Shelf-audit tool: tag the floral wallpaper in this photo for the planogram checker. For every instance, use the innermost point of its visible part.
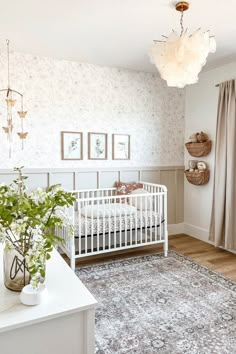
(69, 96)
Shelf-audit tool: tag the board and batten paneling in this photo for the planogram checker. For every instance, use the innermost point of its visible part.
(70, 179)
(168, 179)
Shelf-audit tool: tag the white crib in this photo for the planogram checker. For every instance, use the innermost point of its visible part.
(105, 222)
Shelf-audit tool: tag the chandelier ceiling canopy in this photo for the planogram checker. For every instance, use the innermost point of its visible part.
(10, 103)
(179, 58)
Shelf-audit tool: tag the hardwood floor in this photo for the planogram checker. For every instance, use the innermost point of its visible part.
(219, 260)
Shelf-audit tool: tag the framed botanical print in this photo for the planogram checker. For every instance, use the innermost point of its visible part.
(71, 145)
(97, 146)
(120, 147)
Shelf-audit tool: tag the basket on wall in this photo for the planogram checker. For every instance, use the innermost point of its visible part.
(199, 149)
(198, 178)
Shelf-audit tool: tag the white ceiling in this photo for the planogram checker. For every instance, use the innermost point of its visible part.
(111, 32)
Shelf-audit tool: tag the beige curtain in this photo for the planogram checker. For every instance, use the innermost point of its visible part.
(223, 218)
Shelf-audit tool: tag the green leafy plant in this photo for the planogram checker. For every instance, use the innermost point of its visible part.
(28, 221)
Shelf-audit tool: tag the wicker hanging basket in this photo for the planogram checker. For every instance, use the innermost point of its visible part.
(199, 149)
(198, 178)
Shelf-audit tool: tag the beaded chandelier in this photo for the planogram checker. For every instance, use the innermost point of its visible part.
(10, 103)
(179, 58)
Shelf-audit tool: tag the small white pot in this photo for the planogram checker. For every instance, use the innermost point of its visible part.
(30, 296)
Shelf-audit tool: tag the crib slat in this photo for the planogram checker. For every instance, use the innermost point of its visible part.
(160, 216)
(130, 225)
(146, 220)
(114, 233)
(141, 220)
(92, 224)
(103, 223)
(120, 222)
(79, 228)
(150, 215)
(98, 228)
(109, 226)
(136, 220)
(86, 228)
(125, 223)
(155, 211)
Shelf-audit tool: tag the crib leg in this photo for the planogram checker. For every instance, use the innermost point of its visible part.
(166, 244)
(165, 250)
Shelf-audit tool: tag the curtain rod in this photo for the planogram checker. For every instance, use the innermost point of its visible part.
(217, 85)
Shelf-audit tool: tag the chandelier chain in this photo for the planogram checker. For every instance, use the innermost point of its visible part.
(181, 22)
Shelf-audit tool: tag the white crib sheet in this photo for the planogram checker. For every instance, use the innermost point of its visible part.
(103, 225)
(108, 210)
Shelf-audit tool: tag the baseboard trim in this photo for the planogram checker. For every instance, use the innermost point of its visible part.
(175, 229)
(201, 234)
(197, 232)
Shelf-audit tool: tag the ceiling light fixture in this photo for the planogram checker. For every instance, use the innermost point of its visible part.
(179, 58)
(10, 102)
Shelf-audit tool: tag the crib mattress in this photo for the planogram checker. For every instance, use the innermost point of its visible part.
(115, 224)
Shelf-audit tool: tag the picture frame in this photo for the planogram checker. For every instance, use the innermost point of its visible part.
(71, 145)
(97, 146)
(120, 147)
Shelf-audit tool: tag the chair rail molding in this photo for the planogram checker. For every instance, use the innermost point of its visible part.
(86, 178)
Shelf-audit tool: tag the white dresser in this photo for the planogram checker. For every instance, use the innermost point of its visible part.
(63, 325)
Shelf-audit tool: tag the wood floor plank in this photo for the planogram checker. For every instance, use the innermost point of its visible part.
(217, 259)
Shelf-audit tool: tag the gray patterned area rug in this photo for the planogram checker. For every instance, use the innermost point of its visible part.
(154, 304)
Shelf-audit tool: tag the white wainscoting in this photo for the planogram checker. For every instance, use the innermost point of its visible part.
(171, 176)
(197, 232)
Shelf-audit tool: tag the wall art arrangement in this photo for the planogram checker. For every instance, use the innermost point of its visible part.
(120, 147)
(97, 146)
(72, 146)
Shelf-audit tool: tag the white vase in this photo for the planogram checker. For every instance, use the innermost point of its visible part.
(30, 296)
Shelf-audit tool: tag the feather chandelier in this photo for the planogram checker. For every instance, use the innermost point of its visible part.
(179, 58)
